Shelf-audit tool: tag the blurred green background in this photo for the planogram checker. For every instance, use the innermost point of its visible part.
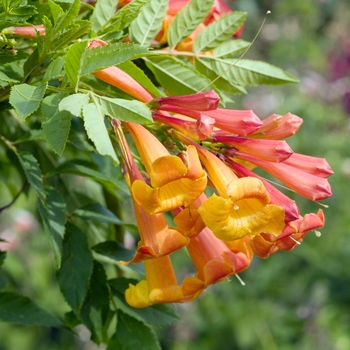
(298, 299)
(292, 300)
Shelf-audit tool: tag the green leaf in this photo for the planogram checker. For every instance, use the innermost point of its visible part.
(138, 74)
(103, 11)
(187, 20)
(205, 67)
(231, 48)
(125, 110)
(53, 214)
(133, 334)
(113, 54)
(74, 61)
(76, 269)
(158, 315)
(33, 173)
(74, 103)
(74, 167)
(94, 311)
(95, 127)
(55, 123)
(149, 22)
(68, 17)
(19, 309)
(176, 77)
(26, 99)
(249, 72)
(71, 33)
(124, 16)
(3, 281)
(98, 212)
(54, 70)
(4, 77)
(219, 31)
(116, 251)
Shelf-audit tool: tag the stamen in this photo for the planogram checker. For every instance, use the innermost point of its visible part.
(317, 233)
(293, 239)
(240, 280)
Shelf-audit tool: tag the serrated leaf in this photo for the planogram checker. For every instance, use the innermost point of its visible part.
(124, 16)
(68, 17)
(73, 62)
(219, 31)
(53, 214)
(231, 48)
(56, 10)
(85, 170)
(26, 99)
(74, 103)
(116, 251)
(125, 110)
(19, 309)
(54, 70)
(249, 72)
(133, 334)
(149, 22)
(205, 67)
(187, 20)
(94, 311)
(176, 77)
(72, 32)
(98, 212)
(103, 11)
(76, 269)
(55, 123)
(158, 315)
(4, 77)
(33, 173)
(111, 55)
(96, 130)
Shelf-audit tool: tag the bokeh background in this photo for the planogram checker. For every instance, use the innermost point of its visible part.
(292, 300)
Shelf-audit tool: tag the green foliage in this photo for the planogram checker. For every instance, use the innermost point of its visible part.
(187, 20)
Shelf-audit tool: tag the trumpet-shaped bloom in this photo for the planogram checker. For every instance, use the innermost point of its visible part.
(157, 239)
(227, 120)
(243, 205)
(199, 130)
(174, 183)
(304, 183)
(159, 287)
(270, 150)
(276, 127)
(118, 78)
(201, 101)
(293, 234)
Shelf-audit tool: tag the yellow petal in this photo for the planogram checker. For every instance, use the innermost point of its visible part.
(233, 220)
(170, 294)
(189, 222)
(174, 194)
(138, 296)
(167, 169)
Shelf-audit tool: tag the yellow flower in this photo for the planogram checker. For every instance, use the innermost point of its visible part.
(242, 206)
(159, 287)
(174, 181)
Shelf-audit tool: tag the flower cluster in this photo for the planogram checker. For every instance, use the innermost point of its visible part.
(245, 215)
(224, 213)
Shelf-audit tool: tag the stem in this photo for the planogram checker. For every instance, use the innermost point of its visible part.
(23, 188)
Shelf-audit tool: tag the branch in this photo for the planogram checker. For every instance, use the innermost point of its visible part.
(24, 186)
